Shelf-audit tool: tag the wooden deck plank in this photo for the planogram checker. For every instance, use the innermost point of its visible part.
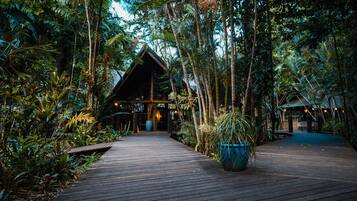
(329, 193)
(342, 196)
(200, 187)
(91, 148)
(155, 167)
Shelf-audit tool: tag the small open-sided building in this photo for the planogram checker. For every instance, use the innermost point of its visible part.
(309, 115)
(140, 98)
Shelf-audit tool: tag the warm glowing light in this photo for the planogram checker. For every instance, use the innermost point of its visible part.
(325, 111)
(116, 104)
(158, 115)
(306, 110)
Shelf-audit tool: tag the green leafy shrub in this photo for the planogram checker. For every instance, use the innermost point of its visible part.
(86, 161)
(83, 135)
(187, 134)
(208, 139)
(234, 128)
(40, 165)
(38, 107)
(86, 131)
(333, 126)
(36, 164)
(108, 134)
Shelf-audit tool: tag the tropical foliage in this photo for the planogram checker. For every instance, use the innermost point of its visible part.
(251, 56)
(233, 128)
(44, 86)
(230, 65)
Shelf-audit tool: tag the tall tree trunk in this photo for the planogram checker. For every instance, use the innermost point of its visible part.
(200, 116)
(90, 80)
(73, 58)
(205, 107)
(198, 29)
(212, 111)
(185, 72)
(173, 88)
(342, 86)
(96, 44)
(245, 100)
(213, 57)
(215, 70)
(172, 84)
(233, 56)
(199, 90)
(271, 66)
(207, 78)
(225, 35)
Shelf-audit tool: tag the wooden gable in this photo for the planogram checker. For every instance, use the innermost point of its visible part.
(137, 82)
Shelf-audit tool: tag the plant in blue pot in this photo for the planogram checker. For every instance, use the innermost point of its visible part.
(235, 141)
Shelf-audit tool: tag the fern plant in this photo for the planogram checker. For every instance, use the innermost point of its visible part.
(85, 118)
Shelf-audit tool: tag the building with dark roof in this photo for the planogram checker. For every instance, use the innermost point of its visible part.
(141, 96)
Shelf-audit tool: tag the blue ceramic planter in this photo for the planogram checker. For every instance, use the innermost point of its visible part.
(234, 157)
(148, 125)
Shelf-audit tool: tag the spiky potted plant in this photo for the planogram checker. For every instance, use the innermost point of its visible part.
(235, 141)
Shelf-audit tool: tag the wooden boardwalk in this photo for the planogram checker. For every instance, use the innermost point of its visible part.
(101, 147)
(155, 167)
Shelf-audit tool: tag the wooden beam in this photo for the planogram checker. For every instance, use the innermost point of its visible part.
(150, 104)
(157, 61)
(152, 86)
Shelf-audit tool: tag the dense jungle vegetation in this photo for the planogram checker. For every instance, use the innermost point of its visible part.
(59, 60)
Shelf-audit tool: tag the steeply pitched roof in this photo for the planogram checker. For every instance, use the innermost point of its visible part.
(144, 50)
(326, 102)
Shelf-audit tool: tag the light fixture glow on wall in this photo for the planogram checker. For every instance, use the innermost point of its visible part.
(158, 115)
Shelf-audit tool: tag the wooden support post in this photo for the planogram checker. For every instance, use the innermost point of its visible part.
(135, 122)
(154, 121)
(151, 114)
(319, 123)
(290, 124)
(152, 86)
(309, 123)
(169, 122)
(167, 114)
(149, 110)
